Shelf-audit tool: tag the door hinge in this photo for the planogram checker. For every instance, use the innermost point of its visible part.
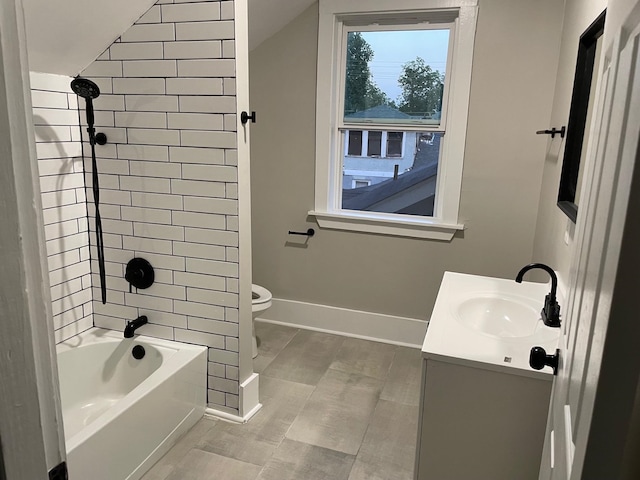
(59, 472)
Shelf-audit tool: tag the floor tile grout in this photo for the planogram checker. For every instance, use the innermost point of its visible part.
(361, 378)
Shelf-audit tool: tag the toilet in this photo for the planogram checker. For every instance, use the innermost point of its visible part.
(260, 301)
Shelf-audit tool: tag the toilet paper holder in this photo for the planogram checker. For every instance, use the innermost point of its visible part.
(309, 233)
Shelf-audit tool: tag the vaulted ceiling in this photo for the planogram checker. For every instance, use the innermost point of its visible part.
(267, 17)
(65, 36)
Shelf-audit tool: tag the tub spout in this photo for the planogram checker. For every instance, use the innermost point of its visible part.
(134, 325)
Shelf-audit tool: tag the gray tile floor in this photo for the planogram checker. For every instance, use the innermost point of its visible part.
(334, 408)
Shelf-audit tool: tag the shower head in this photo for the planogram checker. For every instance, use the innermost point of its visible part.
(85, 88)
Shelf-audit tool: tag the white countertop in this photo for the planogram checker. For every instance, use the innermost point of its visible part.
(451, 341)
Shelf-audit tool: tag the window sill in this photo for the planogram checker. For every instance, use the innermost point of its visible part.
(386, 225)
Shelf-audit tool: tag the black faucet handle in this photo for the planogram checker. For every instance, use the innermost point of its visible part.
(551, 311)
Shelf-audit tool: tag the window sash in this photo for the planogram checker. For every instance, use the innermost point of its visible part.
(400, 124)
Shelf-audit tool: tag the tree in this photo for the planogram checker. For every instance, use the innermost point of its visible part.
(361, 92)
(421, 89)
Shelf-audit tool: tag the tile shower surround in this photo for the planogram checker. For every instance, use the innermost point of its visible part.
(59, 153)
(168, 181)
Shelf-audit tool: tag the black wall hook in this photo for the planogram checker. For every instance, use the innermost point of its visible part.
(245, 117)
(101, 138)
(553, 132)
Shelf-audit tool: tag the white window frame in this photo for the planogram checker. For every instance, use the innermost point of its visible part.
(335, 17)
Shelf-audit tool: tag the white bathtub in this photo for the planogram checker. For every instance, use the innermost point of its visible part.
(121, 414)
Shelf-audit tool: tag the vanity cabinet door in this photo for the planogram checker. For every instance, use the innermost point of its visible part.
(477, 424)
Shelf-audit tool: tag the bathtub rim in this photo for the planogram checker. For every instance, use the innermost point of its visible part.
(97, 334)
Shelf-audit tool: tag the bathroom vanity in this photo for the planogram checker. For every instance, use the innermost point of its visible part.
(483, 409)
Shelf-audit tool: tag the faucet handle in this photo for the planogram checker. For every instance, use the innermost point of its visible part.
(551, 311)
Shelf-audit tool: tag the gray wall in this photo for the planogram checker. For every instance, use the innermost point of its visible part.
(550, 246)
(511, 96)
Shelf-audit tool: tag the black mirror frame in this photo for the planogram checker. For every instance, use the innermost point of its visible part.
(578, 117)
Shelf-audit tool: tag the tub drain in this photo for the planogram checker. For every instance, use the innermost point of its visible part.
(138, 352)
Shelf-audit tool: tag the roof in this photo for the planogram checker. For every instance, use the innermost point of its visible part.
(381, 111)
(364, 198)
(425, 166)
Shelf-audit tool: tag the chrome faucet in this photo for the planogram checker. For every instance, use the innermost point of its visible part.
(551, 310)
(134, 325)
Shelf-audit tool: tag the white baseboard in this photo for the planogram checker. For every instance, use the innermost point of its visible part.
(249, 402)
(229, 417)
(391, 329)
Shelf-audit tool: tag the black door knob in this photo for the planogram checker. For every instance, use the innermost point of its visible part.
(538, 359)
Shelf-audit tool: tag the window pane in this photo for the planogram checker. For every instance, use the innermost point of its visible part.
(411, 191)
(374, 145)
(395, 76)
(355, 142)
(394, 144)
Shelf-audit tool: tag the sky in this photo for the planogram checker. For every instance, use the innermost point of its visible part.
(395, 48)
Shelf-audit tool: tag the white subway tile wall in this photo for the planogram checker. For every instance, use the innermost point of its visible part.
(169, 180)
(59, 152)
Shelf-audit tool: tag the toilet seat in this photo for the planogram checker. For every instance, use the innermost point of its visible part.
(260, 301)
(264, 295)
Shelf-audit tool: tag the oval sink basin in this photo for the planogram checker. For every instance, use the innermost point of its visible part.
(498, 316)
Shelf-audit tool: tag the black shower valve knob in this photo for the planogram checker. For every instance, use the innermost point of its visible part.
(139, 273)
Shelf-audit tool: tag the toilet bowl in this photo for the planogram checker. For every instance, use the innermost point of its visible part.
(260, 301)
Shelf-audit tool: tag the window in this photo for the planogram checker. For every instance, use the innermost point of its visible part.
(405, 77)
(361, 183)
(374, 145)
(394, 144)
(355, 143)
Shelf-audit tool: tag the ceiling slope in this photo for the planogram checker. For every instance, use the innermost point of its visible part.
(65, 36)
(266, 17)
